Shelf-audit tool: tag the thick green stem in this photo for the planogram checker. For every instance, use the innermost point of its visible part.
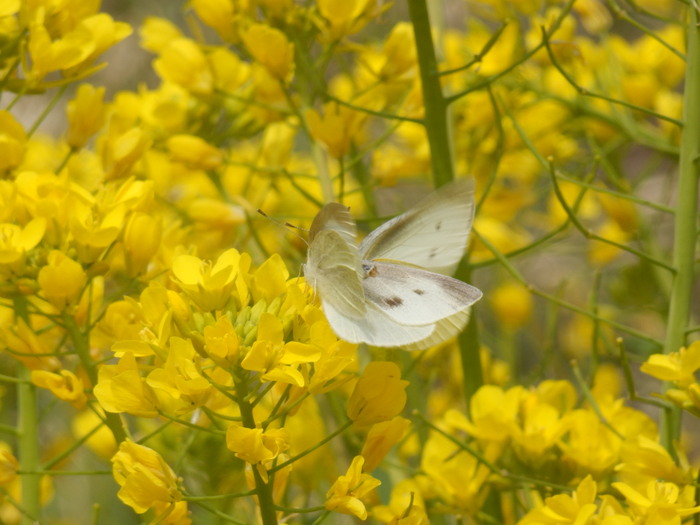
(436, 106)
(438, 130)
(686, 212)
(29, 448)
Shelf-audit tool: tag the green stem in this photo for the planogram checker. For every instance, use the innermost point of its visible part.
(28, 433)
(29, 447)
(262, 490)
(82, 348)
(686, 215)
(435, 104)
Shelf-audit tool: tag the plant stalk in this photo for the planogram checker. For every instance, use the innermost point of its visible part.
(29, 448)
(436, 106)
(686, 215)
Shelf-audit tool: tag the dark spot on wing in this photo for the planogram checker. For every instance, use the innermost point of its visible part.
(433, 253)
(438, 226)
(419, 292)
(393, 301)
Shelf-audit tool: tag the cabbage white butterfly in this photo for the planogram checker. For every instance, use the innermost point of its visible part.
(386, 291)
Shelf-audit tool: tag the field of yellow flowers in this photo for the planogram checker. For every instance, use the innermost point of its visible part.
(162, 359)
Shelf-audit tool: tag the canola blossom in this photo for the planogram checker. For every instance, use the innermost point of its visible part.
(162, 358)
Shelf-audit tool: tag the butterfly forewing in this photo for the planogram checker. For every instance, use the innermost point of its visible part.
(334, 216)
(334, 270)
(433, 235)
(412, 296)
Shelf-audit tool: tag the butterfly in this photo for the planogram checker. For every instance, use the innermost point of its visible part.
(390, 289)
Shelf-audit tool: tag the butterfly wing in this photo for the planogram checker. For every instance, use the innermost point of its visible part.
(413, 296)
(375, 328)
(334, 216)
(445, 329)
(432, 235)
(333, 264)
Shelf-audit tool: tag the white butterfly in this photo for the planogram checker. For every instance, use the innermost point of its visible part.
(386, 292)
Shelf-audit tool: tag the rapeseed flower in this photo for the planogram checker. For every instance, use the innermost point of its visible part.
(345, 495)
(271, 49)
(65, 385)
(379, 394)
(146, 480)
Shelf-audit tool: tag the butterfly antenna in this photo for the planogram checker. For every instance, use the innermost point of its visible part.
(286, 225)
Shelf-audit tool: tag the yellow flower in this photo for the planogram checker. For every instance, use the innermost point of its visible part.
(563, 509)
(142, 238)
(101, 32)
(512, 304)
(602, 253)
(379, 395)
(52, 55)
(270, 48)
(8, 464)
(28, 344)
(15, 242)
(9, 7)
(380, 438)
(594, 15)
(221, 342)
(455, 476)
(275, 359)
(338, 127)
(121, 152)
(94, 230)
(86, 115)
(399, 53)
(64, 385)
(219, 15)
(177, 384)
(99, 438)
(12, 141)
(156, 33)
(406, 506)
(182, 62)
(270, 279)
(230, 72)
(145, 478)
(210, 285)
(253, 445)
(644, 460)
(120, 388)
(194, 152)
(62, 280)
(336, 356)
(346, 493)
(664, 502)
(678, 367)
(344, 18)
(76, 49)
